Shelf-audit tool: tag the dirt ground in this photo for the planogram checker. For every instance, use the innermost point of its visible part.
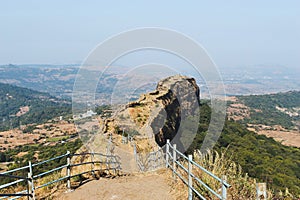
(133, 187)
(289, 138)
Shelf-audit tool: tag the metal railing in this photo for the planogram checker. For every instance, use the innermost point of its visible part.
(172, 162)
(110, 162)
(150, 161)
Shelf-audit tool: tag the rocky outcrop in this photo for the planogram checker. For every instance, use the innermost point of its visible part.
(169, 112)
(175, 99)
(179, 96)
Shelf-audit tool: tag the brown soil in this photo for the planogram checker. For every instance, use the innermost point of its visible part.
(139, 187)
(22, 111)
(238, 111)
(288, 138)
(15, 137)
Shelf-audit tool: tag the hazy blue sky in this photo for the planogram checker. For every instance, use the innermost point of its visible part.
(235, 33)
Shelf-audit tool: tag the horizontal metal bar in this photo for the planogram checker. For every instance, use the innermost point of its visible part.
(51, 182)
(181, 177)
(115, 162)
(106, 155)
(14, 195)
(197, 193)
(185, 181)
(86, 163)
(17, 197)
(78, 164)
(80, 174)
(182, 167)
(104, 162)
(88, 153)
(211, 174)
(182, 155)
(80, 154)
(11, 183)
(50, 171)
(51, 159)
(13, 176)
(14, 170)
(206, 186)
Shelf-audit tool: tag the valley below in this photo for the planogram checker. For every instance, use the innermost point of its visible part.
(38, 126)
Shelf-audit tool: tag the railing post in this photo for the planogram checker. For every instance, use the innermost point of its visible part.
(155, 165)
(224, 188)
(30, 183)
(109, 153)
(134, 152)
(115, 165)
(123, 138)
(93, 164)
(174, 160)
(261, 191)
(106, 157)
(167, 153)
(68, 170)
(190, 181)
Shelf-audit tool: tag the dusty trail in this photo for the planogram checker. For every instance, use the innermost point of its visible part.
(133, 187)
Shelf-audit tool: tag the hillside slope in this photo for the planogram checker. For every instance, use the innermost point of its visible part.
(21, 106)
(272, 109)
(259, 156)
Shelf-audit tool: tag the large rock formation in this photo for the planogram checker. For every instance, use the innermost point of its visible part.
(180, 98)
(165, 112)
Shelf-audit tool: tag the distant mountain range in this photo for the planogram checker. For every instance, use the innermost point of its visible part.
(58, 80)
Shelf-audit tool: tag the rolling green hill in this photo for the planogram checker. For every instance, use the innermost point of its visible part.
(42, 106)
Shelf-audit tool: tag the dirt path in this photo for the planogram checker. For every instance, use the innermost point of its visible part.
(133, 187)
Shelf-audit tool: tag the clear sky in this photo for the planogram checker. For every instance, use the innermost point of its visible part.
(235, 33)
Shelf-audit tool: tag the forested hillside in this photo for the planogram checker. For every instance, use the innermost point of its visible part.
(21, 106)
(261, 157)
(273, 109)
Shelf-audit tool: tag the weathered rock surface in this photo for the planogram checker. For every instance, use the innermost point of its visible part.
(159, 114)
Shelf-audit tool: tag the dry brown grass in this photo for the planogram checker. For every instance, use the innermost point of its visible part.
(45, 192)
(242, 186)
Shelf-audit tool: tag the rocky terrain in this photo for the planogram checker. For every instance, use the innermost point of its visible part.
(158, 115)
